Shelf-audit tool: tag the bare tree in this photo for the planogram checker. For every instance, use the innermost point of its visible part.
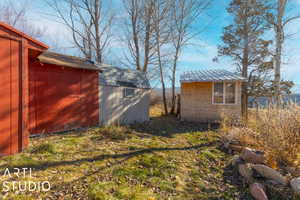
(161, 19)
(90, 22)
(140, 33)
(183, 15)
(16, 16)
(157, 31)
(148, 35)
(279, 21)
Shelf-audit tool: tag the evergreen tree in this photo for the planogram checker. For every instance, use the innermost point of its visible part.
(243, 42)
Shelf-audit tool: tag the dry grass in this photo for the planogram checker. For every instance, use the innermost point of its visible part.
(155, 98)
(273, 130)
(163, 159)
(156, 110)
(160, 159)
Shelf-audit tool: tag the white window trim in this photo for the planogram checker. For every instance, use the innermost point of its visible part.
(128, 96)
(224, 93)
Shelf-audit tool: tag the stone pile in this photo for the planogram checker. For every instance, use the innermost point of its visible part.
(251, 164)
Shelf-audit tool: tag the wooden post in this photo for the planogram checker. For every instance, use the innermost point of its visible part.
(24, 95)
(178, 106)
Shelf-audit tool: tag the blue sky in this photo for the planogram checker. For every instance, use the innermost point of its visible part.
(198, 55)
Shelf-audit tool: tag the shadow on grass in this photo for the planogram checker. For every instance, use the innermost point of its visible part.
(45, 165)
(119, 159)
(167, 126)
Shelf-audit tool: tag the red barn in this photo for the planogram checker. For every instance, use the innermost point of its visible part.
(42, 92)
(16, 49)
(63, 93)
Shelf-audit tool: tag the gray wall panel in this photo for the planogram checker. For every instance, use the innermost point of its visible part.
(115, 109)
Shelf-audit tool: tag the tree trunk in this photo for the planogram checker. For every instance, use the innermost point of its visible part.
(134, 17)
(147, 37)
(158, 45)
(164, 96)
(178, 106)
(245, 63)
(162, 78)
(173, 101)
(244, 104)
(279, 41)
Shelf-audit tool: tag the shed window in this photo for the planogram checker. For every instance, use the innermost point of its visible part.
(230, 93)
(128, 92)
(218, 93)
(224, 93)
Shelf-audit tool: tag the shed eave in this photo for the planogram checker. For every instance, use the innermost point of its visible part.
(68, 65)
(40, 44)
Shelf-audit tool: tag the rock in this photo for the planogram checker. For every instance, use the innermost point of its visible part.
(245, 170)
(272, 182)
(226, 144)
(295, 184)
(293, 171)
(235, 147)
(252, 156)
(257, 190)
(235, 160)
(270, 173)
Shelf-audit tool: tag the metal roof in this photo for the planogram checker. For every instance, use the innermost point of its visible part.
(210, 76)
(114, 76)
(67, 61)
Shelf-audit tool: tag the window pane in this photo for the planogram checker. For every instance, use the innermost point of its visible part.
(128, 92)
(230, 93)
(218, 92)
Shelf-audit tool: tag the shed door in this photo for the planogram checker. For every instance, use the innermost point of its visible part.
(9, 95)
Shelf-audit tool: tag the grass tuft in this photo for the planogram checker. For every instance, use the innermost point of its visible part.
(111, 191)
(43, 148)
(145, 167)
(112, 133)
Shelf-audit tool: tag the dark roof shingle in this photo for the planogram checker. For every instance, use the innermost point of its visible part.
(114, 76)
(67, 61)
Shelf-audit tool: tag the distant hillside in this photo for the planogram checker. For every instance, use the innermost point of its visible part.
(168, 90)
(265, 100)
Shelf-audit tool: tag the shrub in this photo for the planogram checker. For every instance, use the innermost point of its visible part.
(273, 130)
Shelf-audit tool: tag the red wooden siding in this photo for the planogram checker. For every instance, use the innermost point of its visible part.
(40, 98)
(61, 98)
(15, 50)
(9, 95)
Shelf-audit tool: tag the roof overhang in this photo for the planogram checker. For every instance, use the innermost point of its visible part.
(66, 61)
(33, 43)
